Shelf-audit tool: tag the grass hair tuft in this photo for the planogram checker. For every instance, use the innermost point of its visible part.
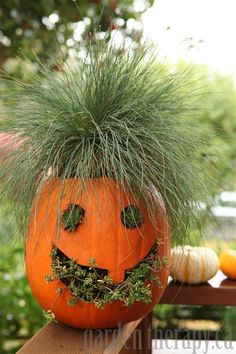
(112, 113)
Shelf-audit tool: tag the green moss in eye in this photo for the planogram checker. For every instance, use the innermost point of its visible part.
(131, 217)
(72, 217)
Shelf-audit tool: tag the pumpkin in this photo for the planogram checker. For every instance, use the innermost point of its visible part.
(193, 265)
(228, 263)
(104, 233)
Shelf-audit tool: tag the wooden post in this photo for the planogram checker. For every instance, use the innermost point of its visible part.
(140, 342)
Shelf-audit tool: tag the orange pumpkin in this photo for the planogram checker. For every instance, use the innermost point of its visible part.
(101, 236)
(228, 263)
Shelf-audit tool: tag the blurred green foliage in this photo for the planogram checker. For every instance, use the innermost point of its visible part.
(215, 107)
(31, 26)
(20, 315)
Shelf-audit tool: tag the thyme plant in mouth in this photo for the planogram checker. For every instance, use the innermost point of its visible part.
(92, 284)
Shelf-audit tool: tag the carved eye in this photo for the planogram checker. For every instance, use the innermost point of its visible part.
(131, 217)
(72, 217)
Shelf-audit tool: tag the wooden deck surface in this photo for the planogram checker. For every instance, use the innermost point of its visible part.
(57, 338)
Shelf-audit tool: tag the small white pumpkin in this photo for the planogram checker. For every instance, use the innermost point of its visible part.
(193, 265)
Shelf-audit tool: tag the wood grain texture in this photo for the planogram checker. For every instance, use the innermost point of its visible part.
(56, 338)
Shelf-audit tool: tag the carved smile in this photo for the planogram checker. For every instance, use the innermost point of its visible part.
(67, 262)
(94, 285)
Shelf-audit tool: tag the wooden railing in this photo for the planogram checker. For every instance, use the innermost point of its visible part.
(219, 291)
(134, 337)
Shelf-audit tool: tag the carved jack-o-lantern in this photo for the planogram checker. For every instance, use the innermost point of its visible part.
(64, 237)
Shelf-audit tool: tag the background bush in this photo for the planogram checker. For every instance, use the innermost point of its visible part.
(20, 315)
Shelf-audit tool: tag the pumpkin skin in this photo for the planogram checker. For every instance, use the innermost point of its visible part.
(228, 263)
(102, 236)
(193, 265)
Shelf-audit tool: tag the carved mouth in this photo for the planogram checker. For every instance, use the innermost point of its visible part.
(67, 263)
(94, 285)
